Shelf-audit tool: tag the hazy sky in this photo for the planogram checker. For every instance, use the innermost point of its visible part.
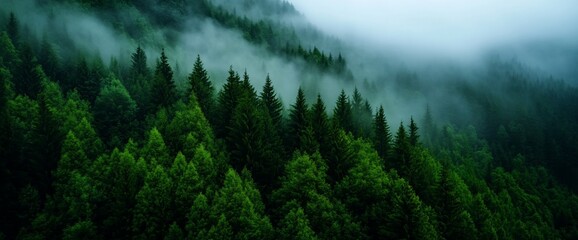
(451, 27)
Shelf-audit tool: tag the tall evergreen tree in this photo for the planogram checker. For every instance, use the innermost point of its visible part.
(201, 86)
(320, 125)
(381, 135)
(164, 91)
(342, 113)
(87, 82)
(401, 151)
(228, 99)
(49, 60)
(272, 103)
(409, 218)
(139, 63)
(361, 115)
(12, 28)
(27, 76)
(413, 134)
(298, 120)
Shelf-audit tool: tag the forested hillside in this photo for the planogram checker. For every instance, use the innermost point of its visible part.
(97, 144)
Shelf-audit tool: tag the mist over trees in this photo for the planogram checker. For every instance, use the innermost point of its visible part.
(279, 137)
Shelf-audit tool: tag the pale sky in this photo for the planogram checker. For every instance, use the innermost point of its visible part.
(455, 27)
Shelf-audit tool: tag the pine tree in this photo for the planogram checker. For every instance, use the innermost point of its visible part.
(86, 82)
(114, 112)
(381, 136)
(139, 63)
(27, 77)
(12, 28)
(152, 212)
(164, 91)
(49, 60)
(198, 218)
(320, 125)
(228, 99)
(298, 120)
(342, 113)
(409, 218)
(272, 103)
(201, 86)
(401, 151)
(413, 135)
(296, 226)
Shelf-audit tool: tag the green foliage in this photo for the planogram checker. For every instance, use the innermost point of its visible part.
(8, 53)
(272, 104)
(202, 88)
(235, 206)
(408, 217)
(342, 115)
(296, 226)
(81, 230)
(228, 99)
(155, 151)
(497, 179)
(381, 135)
(114, 113)
(164, 91)
(152, 212)
(298, 120)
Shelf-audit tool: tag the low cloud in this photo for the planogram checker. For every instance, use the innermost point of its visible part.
(448, 28)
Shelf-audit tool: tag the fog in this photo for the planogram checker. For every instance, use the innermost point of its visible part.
(464, 30)
(382, 41)
(219, 48)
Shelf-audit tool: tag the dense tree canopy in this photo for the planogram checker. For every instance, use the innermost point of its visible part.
(98, 149)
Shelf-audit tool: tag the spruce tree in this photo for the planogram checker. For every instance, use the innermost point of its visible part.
(12, 28)
(228, 99)
(201, 86)
(413, 134)
(164, 91)
(271, 102)
(298, 120)
(381, 135)
(342, 113)
(320, 125)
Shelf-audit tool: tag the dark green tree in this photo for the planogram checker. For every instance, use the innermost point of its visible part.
(28, 75)
(8, 54)
(49, 60)
(409, 218)
(152, 213)
(298, 120)
(114, 112)
(139, 63)
(320, 125)
(201, 86)
(381, 135)
(164, 91)
(228, 99)
(413, 134)
(295, 225)
(342, 113)
(361, 115)
(12, 28)
(272, 103)
(401, 150)
(86, 81)
(198, 218)
(453, 219)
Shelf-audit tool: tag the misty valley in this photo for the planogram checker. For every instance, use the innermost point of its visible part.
(273, 119)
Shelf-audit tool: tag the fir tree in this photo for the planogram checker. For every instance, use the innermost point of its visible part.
(201, 87)
(381, 136)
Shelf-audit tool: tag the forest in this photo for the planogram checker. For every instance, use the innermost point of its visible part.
(139, 146)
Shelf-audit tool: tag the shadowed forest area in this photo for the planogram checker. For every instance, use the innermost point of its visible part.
(141, 146)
